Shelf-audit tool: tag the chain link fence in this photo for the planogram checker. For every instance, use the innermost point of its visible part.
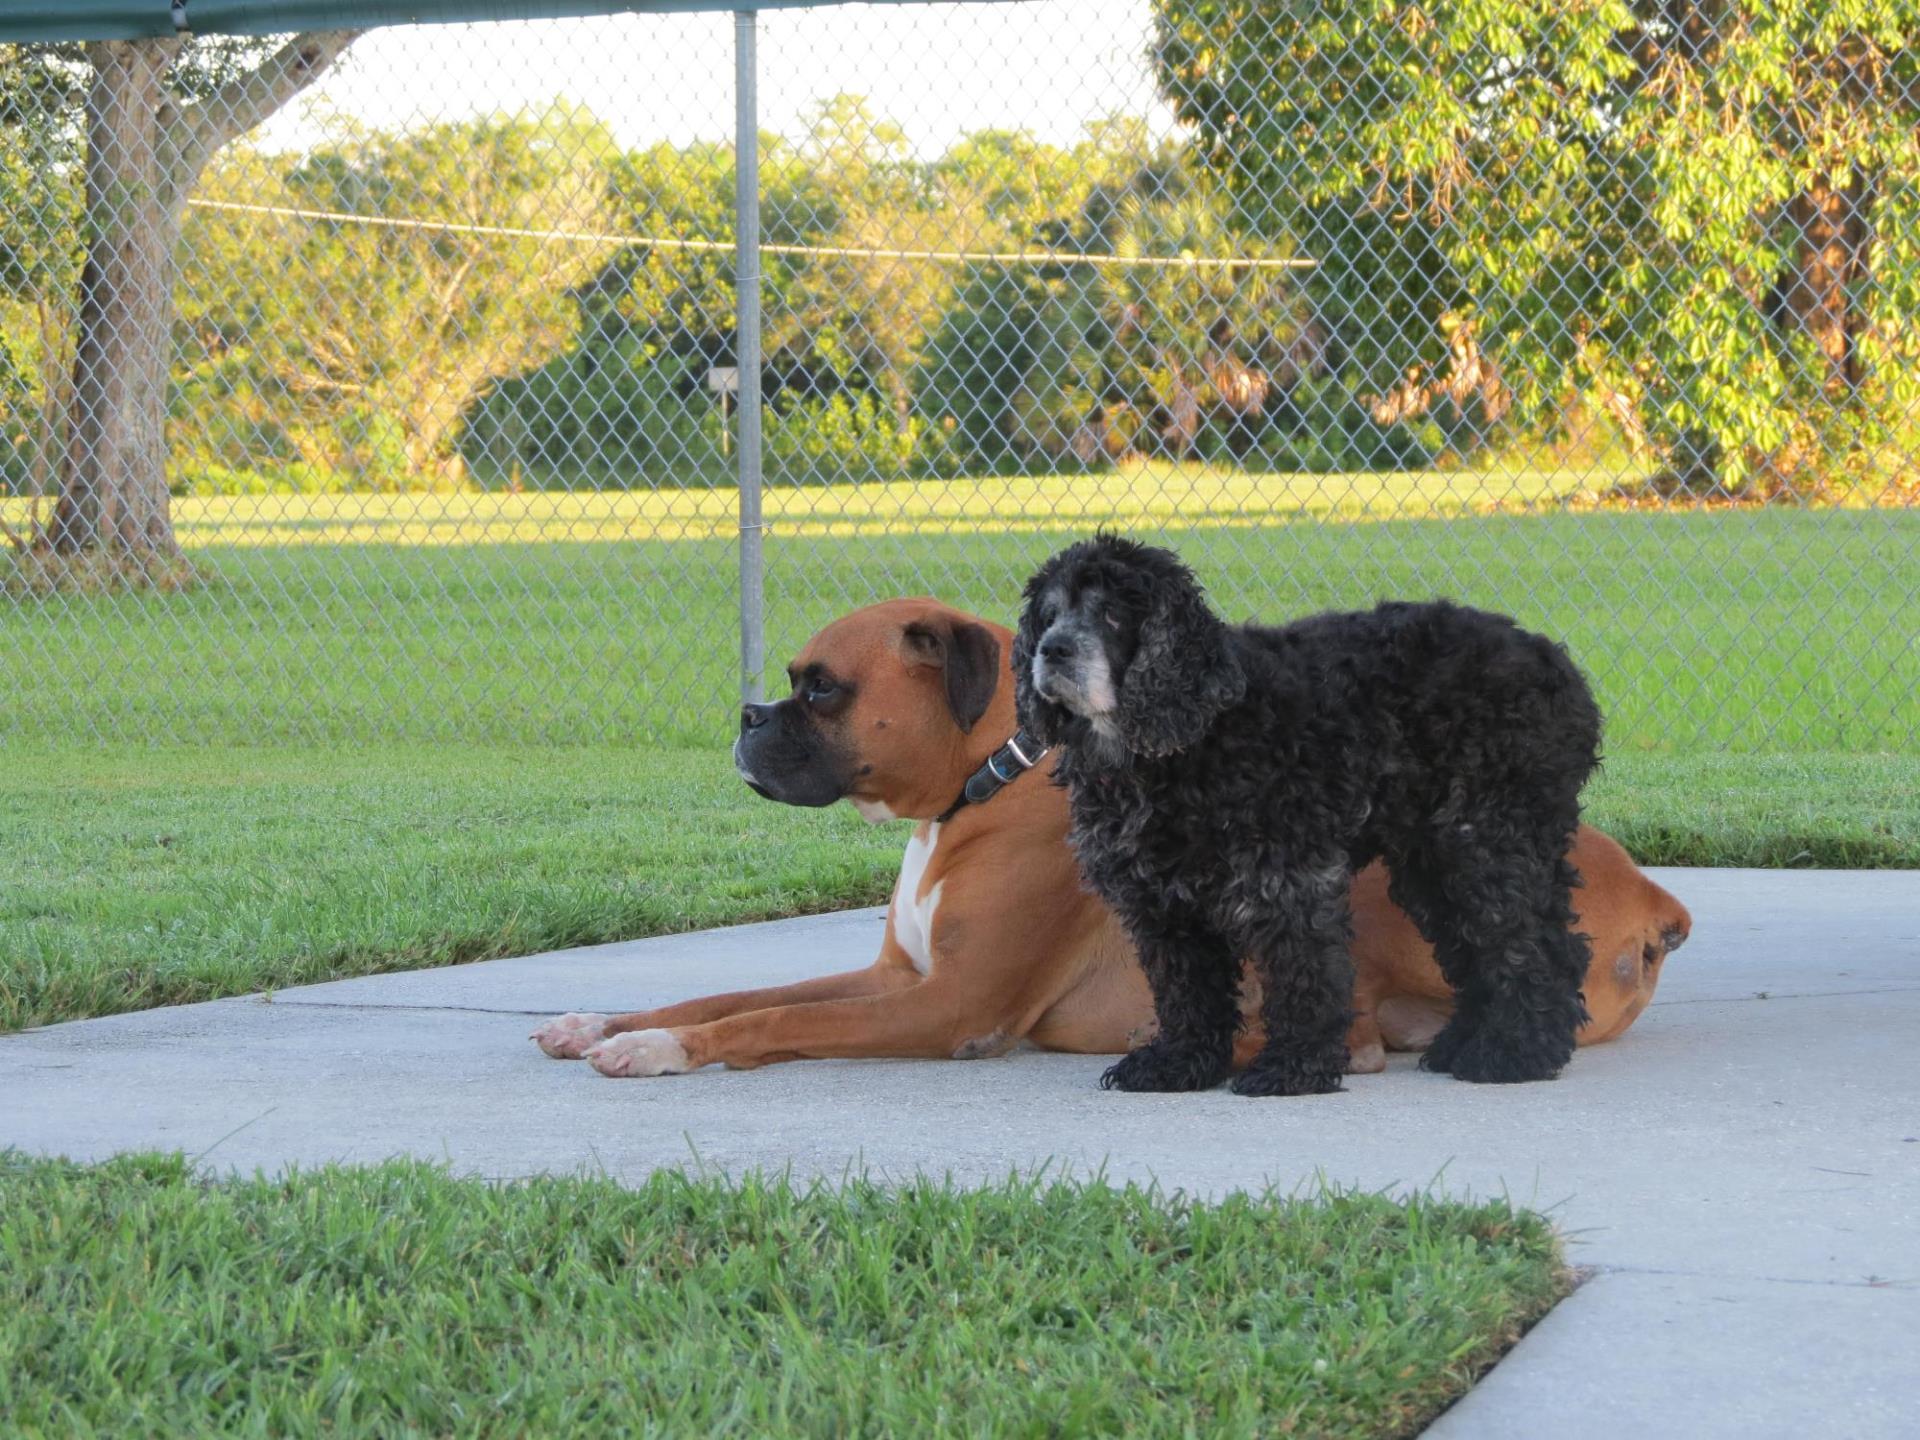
(391, 386)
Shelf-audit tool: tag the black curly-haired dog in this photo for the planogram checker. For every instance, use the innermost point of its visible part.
(1227, 781)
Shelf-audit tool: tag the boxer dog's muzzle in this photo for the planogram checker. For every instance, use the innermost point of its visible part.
(785, 754)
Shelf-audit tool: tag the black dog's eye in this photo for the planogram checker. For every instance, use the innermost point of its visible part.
(1111, 619)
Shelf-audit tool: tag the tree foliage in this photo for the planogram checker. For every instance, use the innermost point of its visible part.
(126, 127)
(1090, 362)
(1700, 214)
(392, 332)
(40, 204)
(411, 344)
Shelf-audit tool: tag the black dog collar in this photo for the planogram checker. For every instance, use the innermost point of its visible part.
(1003, 767)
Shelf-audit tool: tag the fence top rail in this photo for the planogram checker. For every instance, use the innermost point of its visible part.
(675, 242)
(36, 20)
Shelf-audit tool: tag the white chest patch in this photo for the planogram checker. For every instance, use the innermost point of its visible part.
(913, 911)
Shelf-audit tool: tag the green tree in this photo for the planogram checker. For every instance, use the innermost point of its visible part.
(664, 291)
(406, 326)
(1089, 361)
(1019, 361)
(1019, 182)
(1188, 334)
(627, 400)
(40, 251)
(144, 118)
(232, 308)
(872, 311)
(1699, 213)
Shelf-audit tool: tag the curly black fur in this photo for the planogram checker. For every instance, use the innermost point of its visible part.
(1227, 781)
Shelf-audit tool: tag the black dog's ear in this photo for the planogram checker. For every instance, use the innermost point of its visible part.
(968, 654)
(1183, 671)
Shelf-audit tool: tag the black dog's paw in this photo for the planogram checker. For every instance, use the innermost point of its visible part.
(1155, 1067)
(1441, 1055)
(1489, 1058)
(1290, 1075)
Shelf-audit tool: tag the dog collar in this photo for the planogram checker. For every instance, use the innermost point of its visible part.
(1003, 767)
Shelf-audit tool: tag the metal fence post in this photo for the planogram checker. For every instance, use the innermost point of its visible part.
(746, 287)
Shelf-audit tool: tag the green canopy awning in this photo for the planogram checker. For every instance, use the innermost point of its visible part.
(84, 19)
(28, 20)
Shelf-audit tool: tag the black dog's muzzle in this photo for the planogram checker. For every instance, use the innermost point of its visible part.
(1057, 662)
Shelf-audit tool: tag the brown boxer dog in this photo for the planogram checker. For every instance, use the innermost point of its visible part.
(990, 939)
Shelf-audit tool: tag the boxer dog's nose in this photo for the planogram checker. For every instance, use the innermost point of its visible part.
(752, 717)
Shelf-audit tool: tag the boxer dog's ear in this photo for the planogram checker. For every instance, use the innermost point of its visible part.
(967, 653)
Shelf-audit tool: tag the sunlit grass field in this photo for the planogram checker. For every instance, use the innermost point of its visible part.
(1131, 496)
(576, 618)
(416, 730)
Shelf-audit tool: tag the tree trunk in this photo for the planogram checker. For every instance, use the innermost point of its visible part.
(901, 393)
(432, 427)
(55, 374)
(432, 412)
(144, 152)
(1813, 296)
(113, 484)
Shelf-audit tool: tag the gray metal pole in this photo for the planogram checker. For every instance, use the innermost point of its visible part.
(746, 294)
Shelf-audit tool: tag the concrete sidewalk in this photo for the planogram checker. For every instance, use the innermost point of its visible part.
(1742, 1170)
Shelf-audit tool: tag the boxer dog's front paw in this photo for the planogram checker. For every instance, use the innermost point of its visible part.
(1368, 1059)
(571, 1036)
(635, 1054)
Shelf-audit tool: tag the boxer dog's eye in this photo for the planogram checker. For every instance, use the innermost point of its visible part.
(820, 688)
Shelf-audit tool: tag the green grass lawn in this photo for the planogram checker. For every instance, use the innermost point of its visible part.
(137, 1299)
(142, 877)
(1767, 631)
(434, 735)
(415, 730)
